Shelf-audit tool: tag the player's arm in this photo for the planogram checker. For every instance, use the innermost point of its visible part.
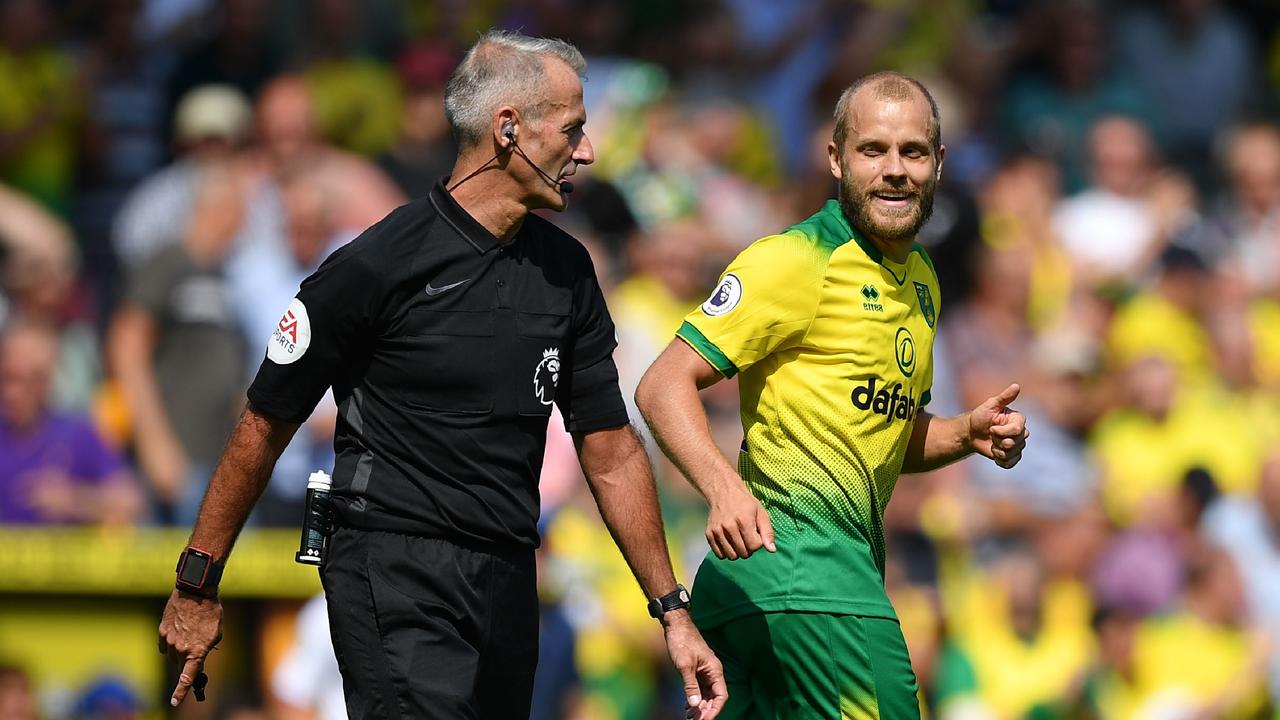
(667, 396)
(621, 479)
(992, 429)
(192, 625)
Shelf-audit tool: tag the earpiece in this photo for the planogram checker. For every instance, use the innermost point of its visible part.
(509, 132)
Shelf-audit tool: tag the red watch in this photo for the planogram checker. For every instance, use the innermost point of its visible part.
(198, 574)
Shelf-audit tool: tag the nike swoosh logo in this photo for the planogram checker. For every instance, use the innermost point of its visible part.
(433, 291)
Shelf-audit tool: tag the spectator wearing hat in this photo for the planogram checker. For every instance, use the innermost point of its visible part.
(210, 122)
(177, 352)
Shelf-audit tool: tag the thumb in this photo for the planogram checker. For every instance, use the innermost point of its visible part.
(692, 695)
(765, 525)
(1007, 395)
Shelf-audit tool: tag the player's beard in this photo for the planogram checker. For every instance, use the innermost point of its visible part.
(856, 205)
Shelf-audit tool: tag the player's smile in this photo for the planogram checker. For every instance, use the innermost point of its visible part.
(895, 202)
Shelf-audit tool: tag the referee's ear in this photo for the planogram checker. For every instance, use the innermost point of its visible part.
(506, 127)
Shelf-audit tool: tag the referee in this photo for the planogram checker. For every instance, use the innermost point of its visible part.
(447, 332)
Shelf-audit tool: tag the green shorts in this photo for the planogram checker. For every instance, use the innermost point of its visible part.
(815, 666)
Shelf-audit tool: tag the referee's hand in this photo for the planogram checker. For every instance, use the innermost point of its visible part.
(189, 629)
(738, 525)
(704, 686)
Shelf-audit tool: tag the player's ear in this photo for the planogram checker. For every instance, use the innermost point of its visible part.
(942, 155)
(833, 157)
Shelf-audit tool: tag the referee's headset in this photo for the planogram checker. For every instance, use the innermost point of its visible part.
(509, 132)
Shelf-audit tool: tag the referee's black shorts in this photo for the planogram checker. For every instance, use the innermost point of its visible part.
(424, 628)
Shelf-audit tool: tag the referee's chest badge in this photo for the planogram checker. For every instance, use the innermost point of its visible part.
(546, 376)
(725, 298)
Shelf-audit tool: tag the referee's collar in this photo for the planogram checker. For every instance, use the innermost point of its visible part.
(460, 220)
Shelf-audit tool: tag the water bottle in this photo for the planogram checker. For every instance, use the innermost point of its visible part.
(317, 519)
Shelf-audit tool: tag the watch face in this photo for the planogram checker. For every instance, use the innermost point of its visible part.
(194, 568)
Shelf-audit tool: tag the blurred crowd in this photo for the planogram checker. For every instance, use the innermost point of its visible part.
(1107, 234)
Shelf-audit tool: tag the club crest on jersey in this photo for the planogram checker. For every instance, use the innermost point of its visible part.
(926, 302)
(292, 335)
(725, 298)
(546, 376)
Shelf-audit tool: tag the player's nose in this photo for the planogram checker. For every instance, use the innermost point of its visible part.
(893, 167)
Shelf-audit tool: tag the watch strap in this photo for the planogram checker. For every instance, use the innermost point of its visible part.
(675, 600)
(197, 573)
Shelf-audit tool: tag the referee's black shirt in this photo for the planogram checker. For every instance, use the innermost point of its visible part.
(445, 351)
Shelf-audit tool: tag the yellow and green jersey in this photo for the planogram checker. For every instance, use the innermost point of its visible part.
(833, 346)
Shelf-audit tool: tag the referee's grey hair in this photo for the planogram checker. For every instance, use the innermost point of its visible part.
(502, 68)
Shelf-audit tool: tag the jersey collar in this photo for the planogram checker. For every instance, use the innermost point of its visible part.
(460, 220)
(835, 216)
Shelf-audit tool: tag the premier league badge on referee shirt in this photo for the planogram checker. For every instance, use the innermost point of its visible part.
(546, 376)
(725, 298)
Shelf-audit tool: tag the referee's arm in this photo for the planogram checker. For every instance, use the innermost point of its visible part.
(618, 471)
(192, 625)
(239, 479)
(621, 479)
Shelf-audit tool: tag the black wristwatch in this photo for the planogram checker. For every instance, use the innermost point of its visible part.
(198, 574)
(674, 600)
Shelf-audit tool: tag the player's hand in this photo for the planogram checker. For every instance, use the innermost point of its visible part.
(705, 691)
(190, 627)
(738, 525)
(998, 431)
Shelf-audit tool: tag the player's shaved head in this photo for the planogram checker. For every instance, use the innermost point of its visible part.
(888, 86)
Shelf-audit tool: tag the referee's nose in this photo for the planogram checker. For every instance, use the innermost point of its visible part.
(584, 153)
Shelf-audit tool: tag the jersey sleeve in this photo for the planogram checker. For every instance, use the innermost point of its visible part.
(331, 319)
(592, 399)
(765, 302)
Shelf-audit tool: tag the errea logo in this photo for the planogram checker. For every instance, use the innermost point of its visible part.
(871, 295)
